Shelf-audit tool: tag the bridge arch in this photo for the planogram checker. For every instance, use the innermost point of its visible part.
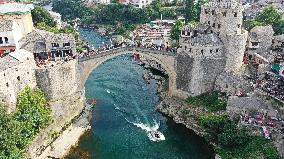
(166, 60)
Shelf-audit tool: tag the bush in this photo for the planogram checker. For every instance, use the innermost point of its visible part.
(18, 129)
(214, 123)
(232, 137)
(41, 15)
(211, 101)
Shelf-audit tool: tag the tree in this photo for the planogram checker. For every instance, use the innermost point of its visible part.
(176, 29)
(9, 132)
(41, 15)
(269, 16)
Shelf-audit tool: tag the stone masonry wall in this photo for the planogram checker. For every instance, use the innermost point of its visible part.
(58, 81)
(13, 80)
(234, 51)
(184, 66)
(212, 68)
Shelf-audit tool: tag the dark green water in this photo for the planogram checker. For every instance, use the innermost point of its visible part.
(125, 110)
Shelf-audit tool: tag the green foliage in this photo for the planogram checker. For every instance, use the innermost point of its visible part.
(212, 101)
(235, 142)
(176, 29)
(67, 29)
(255, 147)
(192, 9)
(71, 9)
(249, 24)
(41, 15)
(214, 123)
(18, 129)
(232, 137)
(269, 16)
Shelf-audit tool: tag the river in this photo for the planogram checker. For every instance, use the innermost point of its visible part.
(124, 112)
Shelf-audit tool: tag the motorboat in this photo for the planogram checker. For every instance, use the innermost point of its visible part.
(156, 136)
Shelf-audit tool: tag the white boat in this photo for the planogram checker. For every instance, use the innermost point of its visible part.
(156, 136)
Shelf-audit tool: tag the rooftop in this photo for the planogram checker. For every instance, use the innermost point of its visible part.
(15, 8)
(14, 59)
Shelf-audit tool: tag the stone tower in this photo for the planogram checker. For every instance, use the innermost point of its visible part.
(226, 19)
(200, 60)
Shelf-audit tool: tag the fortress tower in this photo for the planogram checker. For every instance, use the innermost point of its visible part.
(217, 44)
(226, 19)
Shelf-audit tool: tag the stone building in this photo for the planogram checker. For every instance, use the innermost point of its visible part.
(9, 36)
(20, 13)
(260, 38)
(49, 46)
(200, 59)
(217, 44)
(278, 42)
(17, 71)
(226, 19)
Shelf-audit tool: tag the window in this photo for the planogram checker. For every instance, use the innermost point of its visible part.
(208, 22)
(224, 14)
(66, 44)
(254, 43)
(219, 26)
(202, 51)
(206, 11)
(189, 49)
(213, 12)
(183, 32)
(54, 44)
(18, 78)
(213, 25)
(6, 40)
(235, 14)
(185, 47)
(7, 84)
(217, 50)
(211, 51)
(239, 25)
(1, 40)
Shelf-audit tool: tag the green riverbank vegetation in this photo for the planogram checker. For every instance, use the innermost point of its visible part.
(125, 18)
(230, 140)
(18, 129)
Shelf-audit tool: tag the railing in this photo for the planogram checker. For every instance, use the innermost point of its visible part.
(92, 55)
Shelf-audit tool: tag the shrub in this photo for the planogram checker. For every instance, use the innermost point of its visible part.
(214, 123)
(211, 101)
(18, 129)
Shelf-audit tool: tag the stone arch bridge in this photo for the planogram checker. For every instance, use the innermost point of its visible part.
(166, 59)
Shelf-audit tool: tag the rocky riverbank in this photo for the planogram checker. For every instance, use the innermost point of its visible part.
(69, 137)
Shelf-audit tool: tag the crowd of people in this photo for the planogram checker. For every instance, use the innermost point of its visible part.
(273, 85)
(263, 120)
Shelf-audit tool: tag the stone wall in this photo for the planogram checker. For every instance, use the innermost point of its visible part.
(14, 79)
(184, 66)
(63, 111)
(212, 68)
(58, 81)
(225, 17)
(234, 49)
(232, 84)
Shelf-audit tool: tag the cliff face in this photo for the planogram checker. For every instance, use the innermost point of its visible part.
(179, 112)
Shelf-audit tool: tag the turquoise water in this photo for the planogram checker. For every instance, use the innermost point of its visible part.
(125, 110)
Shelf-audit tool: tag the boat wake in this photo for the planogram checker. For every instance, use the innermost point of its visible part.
(152, 131)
